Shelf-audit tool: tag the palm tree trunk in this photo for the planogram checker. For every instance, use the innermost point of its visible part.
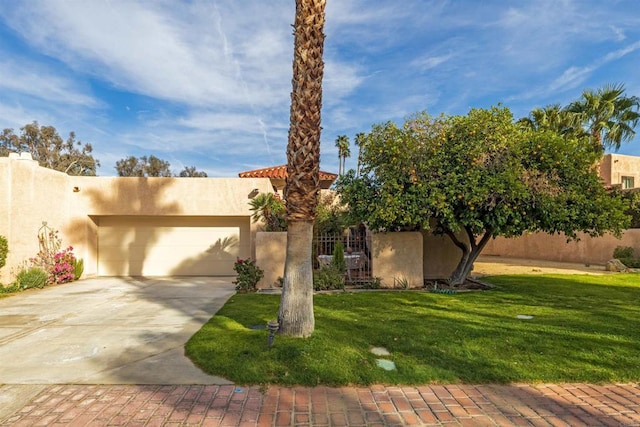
(296, 304)
(303, 169)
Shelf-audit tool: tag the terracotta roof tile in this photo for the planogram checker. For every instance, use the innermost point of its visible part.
(280, 172)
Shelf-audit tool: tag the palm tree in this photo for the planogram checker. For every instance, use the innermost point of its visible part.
(346, 152)
(268, 208)
(303, 174)
(608, 115)
(342, 142)
(360, 141)
(551, 117)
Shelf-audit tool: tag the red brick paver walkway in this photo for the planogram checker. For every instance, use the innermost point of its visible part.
(466, 405)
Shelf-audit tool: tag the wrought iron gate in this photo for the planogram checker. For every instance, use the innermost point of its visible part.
(357, 252)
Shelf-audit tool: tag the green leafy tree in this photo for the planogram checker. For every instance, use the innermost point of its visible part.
(332, 216)
(143, 166)
(608, 115)
(476, 177)
(51, 151)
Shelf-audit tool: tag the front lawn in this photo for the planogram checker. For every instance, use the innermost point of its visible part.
(584, 329)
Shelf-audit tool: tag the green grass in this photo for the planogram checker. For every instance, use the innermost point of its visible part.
(585, 329)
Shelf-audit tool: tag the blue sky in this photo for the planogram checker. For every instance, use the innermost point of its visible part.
(207, 83)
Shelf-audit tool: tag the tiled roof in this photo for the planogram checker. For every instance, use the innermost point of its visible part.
(280, 172)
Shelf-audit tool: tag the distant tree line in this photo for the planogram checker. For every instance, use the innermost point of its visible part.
(74, 157)
(51, 151)
(153, 167)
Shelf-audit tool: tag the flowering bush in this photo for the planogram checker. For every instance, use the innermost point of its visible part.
(59, 264)
(249, 274)
(62, 270)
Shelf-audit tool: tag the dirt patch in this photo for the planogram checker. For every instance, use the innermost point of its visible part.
(496, 265)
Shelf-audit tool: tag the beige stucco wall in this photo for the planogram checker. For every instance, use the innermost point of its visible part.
(31, 194)
(441, 256)
(398, 256)
(542, 246)
(394, 256)
(270, 256)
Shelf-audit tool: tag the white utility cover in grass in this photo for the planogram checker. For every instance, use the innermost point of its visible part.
(385, 364)
(380, 351)
(524, 316)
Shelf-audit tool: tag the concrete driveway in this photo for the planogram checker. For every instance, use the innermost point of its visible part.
(108, 331)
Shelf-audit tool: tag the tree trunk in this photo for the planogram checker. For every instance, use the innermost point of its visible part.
(303, 168)
(296, 304)
(470, 253)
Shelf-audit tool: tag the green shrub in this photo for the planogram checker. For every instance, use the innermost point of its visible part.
(78, 268)
(338, 257)
(328, 277)
(249, 274)
(621, 252)
(4, 250)
(373, 283)
(10, 288)
(630, 262)
(33, 277)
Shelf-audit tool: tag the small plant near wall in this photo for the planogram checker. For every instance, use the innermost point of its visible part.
(338, 258)
(32, 277)
(4, 251)
(78, 268)
(249, 274)
(328, 277)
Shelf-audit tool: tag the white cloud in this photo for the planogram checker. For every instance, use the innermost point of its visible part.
(429, 62)
(35, 80)
(150, 49)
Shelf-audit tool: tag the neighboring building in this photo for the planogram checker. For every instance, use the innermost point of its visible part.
(620, 170)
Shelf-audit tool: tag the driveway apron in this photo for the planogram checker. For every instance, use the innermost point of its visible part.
(108, 331)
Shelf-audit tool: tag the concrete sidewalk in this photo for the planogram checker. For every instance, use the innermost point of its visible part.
(211, 405)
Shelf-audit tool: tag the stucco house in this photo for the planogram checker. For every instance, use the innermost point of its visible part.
(199, 226)
(129, 226)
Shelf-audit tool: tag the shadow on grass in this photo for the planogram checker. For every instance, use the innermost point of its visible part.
(583, 330)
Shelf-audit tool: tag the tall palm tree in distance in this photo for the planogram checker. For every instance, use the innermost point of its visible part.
(360, 141)
(303, 174)
(608, 115)
(342, 143)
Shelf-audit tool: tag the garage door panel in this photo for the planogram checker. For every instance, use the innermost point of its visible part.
(153, 246)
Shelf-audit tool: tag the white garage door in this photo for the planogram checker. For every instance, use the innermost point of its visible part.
(171, 246)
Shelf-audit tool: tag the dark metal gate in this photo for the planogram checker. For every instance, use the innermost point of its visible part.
(356, 242)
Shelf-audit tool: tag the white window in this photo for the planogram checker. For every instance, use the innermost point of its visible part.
(627, 182)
